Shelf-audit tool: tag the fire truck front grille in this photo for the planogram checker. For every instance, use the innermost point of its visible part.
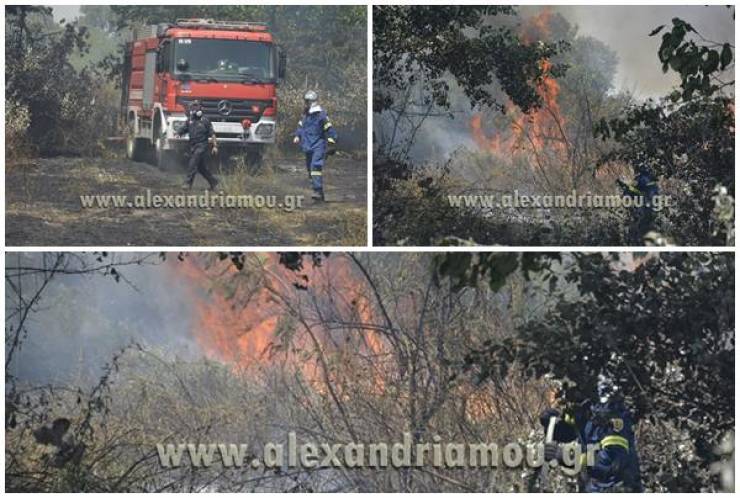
(229, 110)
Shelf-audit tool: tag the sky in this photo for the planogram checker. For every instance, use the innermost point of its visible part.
(68, 12)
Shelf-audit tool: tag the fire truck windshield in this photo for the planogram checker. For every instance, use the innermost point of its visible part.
(225, 60)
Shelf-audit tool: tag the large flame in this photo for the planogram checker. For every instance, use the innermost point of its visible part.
(268, 315)
(540, 129)
(242, 317)
(224, 329)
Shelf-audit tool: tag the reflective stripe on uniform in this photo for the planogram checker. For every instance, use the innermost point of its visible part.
(300, 123)
(615, 441)
(569, 419)
(315, 173)
(327, 125)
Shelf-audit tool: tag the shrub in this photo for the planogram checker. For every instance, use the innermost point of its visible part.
(17, 120)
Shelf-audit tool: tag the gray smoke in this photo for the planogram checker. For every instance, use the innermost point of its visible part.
(82, 321)
(625, 29)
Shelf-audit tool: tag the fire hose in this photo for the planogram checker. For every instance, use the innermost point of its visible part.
(569, 471)
(544, 471)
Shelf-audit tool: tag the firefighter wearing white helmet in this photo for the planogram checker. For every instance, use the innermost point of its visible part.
(317, 139)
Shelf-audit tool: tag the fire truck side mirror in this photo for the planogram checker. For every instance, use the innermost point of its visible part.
(282, 64)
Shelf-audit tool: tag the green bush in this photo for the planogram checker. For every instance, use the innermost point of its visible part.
(58, 108)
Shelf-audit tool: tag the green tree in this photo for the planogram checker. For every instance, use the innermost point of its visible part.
(688, 136)
(424, 43)
(99, 16)
(663, 331)
(59, 100)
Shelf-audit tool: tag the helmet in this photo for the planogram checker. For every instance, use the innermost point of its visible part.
(605, 388)
(310, 96)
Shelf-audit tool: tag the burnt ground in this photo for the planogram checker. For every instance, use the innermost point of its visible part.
(43, 205)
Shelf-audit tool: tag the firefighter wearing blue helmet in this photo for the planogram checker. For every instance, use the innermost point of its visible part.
(317, 139)
(643, 191)
(606, 425)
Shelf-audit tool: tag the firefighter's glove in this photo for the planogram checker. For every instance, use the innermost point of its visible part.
(553, 451)
(331, 147)
(296, 140)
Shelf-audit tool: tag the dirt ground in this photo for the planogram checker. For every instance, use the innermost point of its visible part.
(43, 205)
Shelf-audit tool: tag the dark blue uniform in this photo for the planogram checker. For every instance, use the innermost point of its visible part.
(609, 428)
(645, 187)
(199, 130)
(314, 130)
(617, 464)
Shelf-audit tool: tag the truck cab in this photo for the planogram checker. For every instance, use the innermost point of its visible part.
(232, 68)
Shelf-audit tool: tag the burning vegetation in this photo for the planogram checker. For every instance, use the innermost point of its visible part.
(535, 108)
(251, 322)
(357, 348)
(542, 129)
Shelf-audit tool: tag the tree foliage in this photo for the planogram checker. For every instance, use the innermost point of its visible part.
(664, 332)
(697, 64)
(422, 44)
(688, 136)
(63, 105)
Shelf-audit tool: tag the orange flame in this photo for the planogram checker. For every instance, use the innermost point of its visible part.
(541, 128)
(225, 331)
(238, 315)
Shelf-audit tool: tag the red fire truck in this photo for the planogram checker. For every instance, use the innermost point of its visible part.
(233, 68)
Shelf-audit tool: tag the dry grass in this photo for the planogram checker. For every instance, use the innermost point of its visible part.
(43, 206)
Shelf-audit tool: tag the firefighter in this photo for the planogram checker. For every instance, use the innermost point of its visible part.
(317, 138)
(199, 129)
(607, 425)
(642, 191)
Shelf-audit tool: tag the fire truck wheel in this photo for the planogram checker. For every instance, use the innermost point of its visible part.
(254, 158)
(135, 147)
(164, 159)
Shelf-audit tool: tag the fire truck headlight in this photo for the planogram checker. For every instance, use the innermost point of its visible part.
(265, 130)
